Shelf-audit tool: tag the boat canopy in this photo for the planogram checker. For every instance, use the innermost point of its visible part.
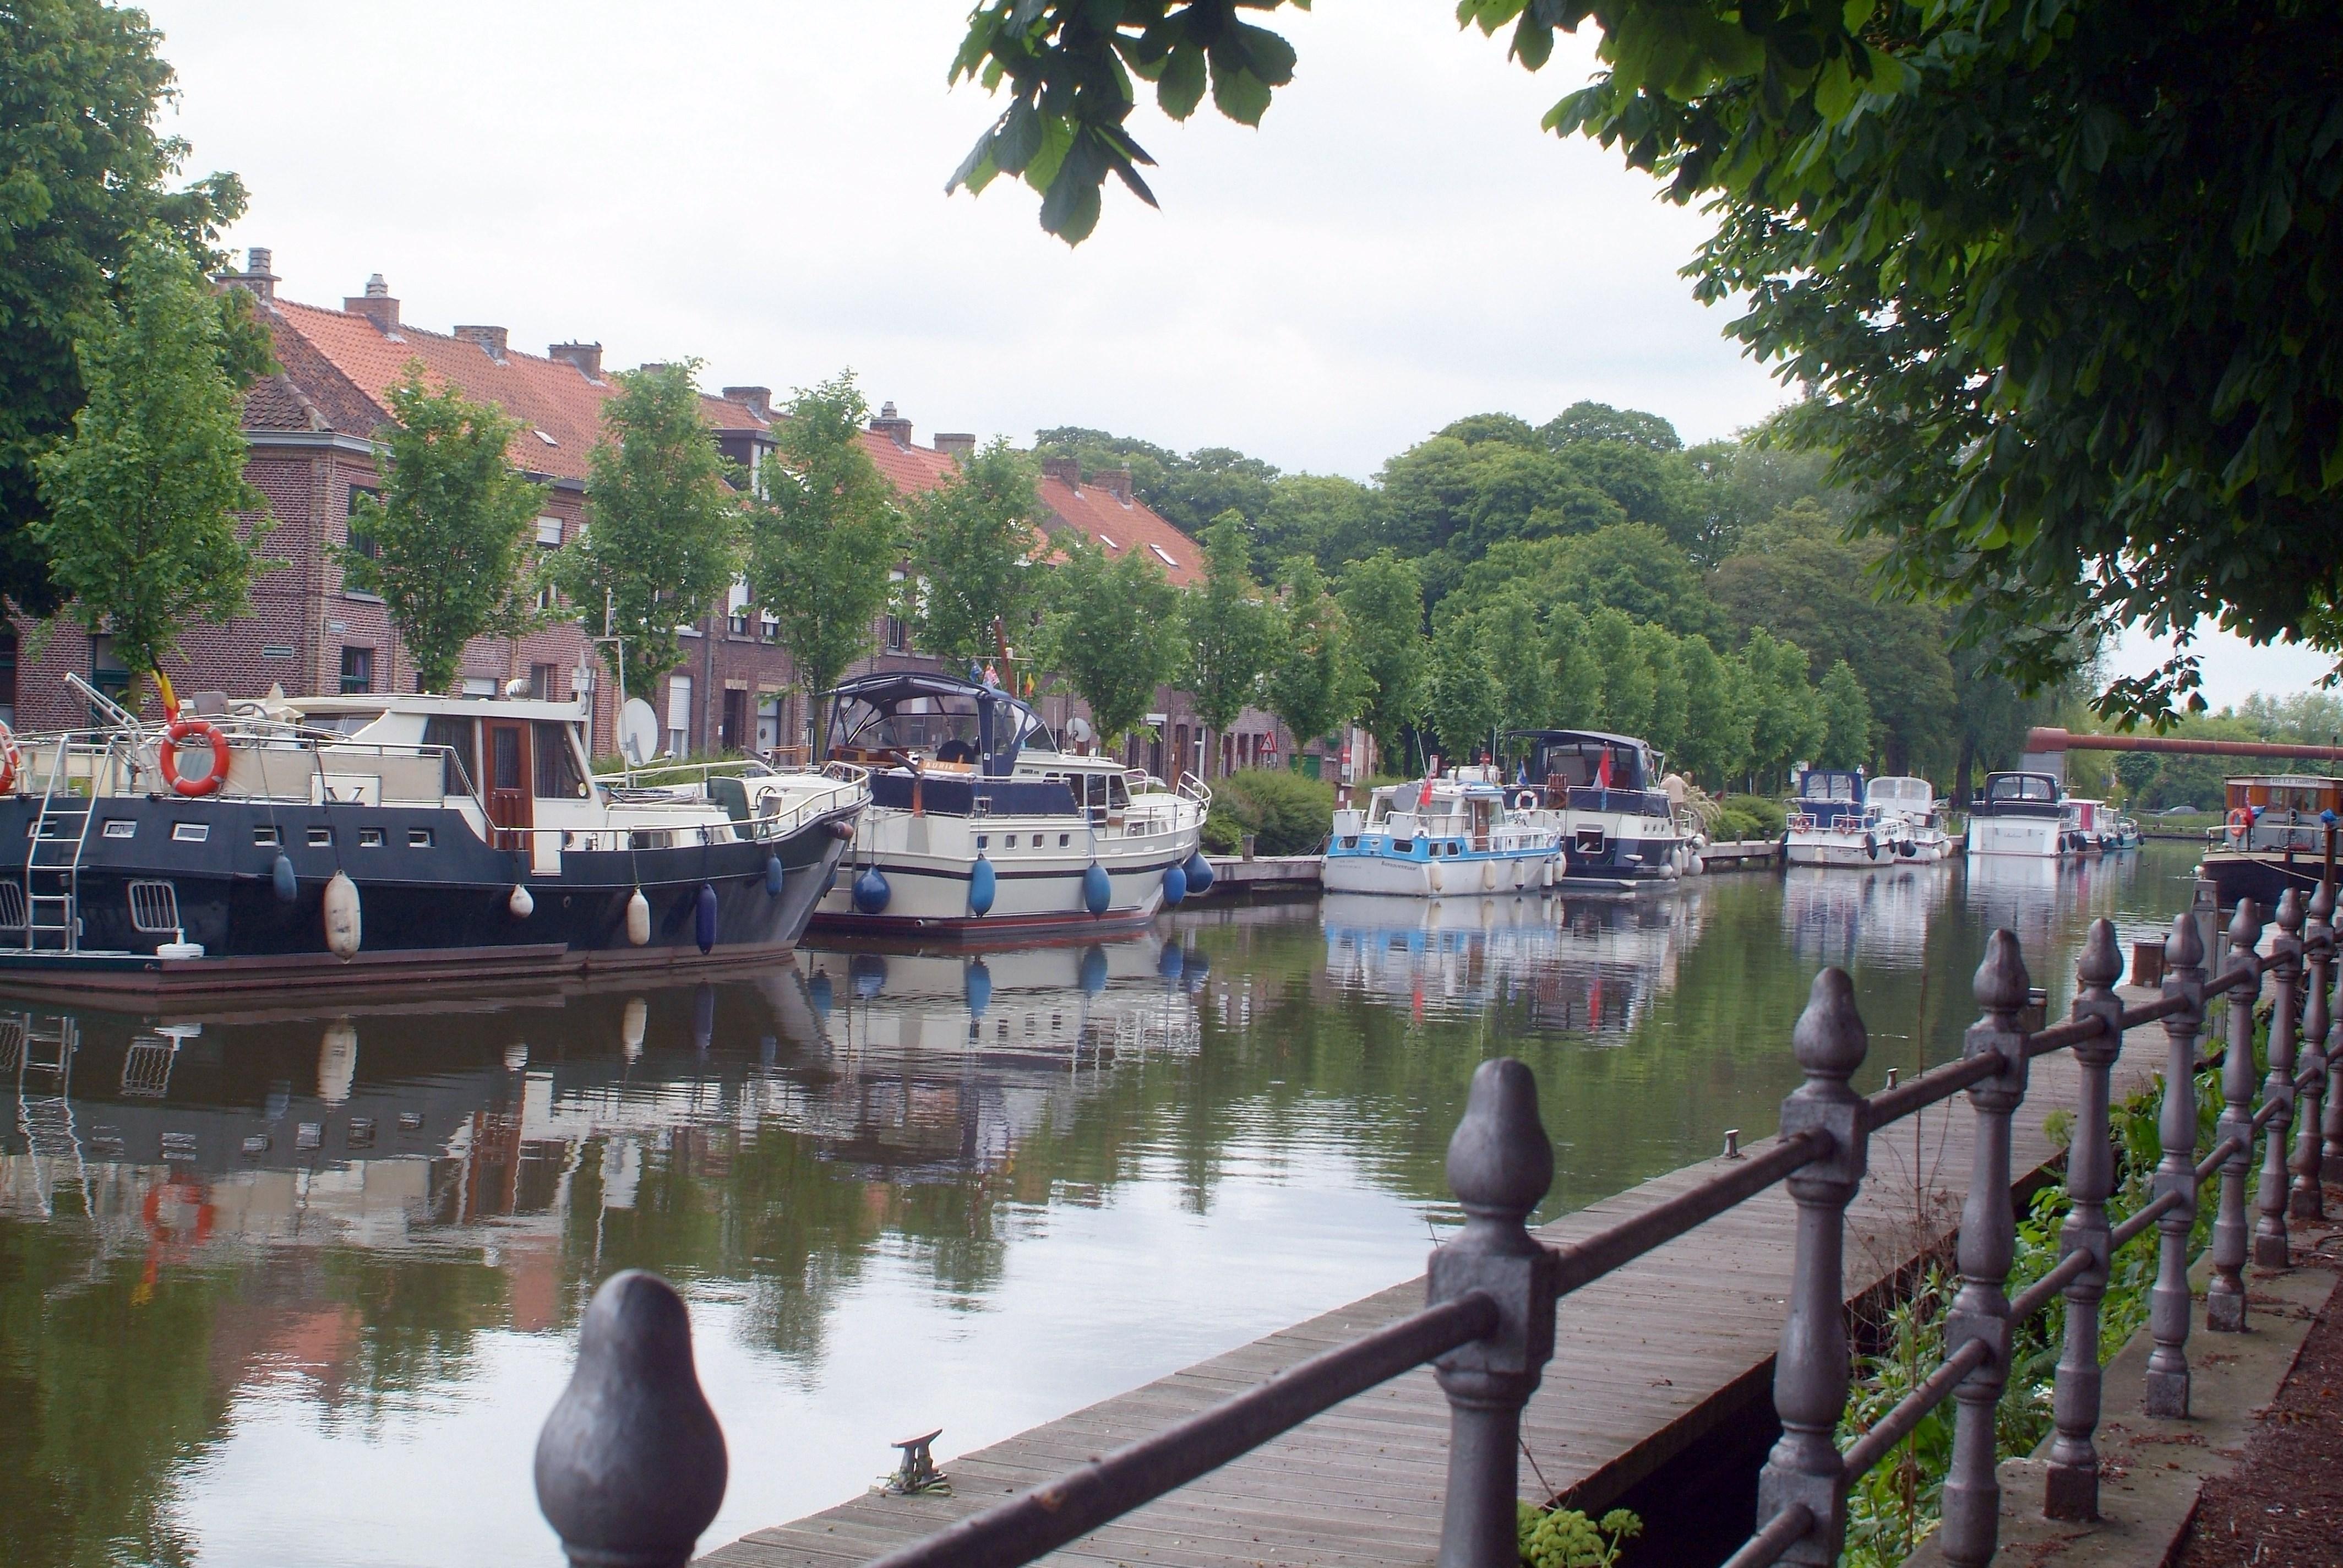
(1901, 790)
(2015, 788)
(1831, 784)
(1574, 758)
(936, 717)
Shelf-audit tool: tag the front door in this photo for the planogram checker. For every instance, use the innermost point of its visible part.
(509, 780)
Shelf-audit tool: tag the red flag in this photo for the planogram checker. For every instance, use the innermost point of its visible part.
(1603, 770)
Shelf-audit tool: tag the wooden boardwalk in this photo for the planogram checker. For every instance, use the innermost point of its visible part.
(1646, 1361)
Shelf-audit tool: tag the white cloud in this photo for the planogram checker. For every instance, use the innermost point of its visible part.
(2233, 669)
(761, 184)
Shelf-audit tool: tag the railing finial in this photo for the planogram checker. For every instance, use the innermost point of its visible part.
(2246, 927)
(1500, 1160)
(2185, 948)
(630, 1465)
(1830, 1040)
(2101, 964)
(2322, 902)
(2002, 985)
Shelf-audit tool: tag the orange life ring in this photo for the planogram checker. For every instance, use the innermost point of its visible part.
(182, 730)
(11, 759)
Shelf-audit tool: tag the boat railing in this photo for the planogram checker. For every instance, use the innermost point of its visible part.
(655, 774)
(1631, 802)
(849, 786)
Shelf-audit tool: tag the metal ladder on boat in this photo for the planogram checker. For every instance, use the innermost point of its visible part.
(52, 866)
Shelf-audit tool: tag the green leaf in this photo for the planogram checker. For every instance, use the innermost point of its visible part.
(1236, 91)
(1182, 86)
(1019, 138)
(1533, 43)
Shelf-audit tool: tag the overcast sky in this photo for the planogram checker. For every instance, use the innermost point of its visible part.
(759, 183)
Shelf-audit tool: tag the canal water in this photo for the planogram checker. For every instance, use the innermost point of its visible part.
(298, 1288)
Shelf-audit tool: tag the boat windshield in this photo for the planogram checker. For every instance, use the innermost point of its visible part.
(1895, 791)
(934, 719)
(1827, 786)
(2039, 788)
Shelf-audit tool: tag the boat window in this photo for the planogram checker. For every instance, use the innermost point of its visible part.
(1009, 842)
(1064, 839)
(1116, 794)
(320, 837)
(342, 723)
(191, 832)
(504, 757)
(121, 827)
(558, 778)
(983, 840)
(264, 835)
(1404, 846)
(369, 837)
(2033, 787)
(419, 837)
(461, 761)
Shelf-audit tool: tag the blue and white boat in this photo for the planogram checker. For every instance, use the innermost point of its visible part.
(1430, 838)
(1832, 823)
(1620, 829)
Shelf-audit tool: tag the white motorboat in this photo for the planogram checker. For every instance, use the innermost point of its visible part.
(1463, 833)
(980, 825)
(1911, 818)
(1831, 824)
(2019, 814)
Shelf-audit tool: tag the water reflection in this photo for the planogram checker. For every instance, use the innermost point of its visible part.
(298, 1289)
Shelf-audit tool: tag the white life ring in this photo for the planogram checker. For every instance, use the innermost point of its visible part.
(1525, 800)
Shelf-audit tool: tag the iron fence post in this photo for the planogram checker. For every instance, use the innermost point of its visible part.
(1988, 1242)
(2305, 1198)
(2072, 1487)
(1500, 1164)
(2270, 1250)
(630, 1464)
(2330, 1150)
(1811, 1372)
(2175, 1172)
(2224, 1297)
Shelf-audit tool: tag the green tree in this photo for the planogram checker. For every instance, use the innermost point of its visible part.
(663, 523)
(824, 536)
(86, 184)
(1630, 685)
(1588, 422)
(1846, 719)
(1231, 629)
(2052, 269)
(445, 542)
(1326, 517)
(1670, 692)
(1462, 700)
(1384, 598)
(140, 526)
(1112, 629)
(1789, 724)
(1719, 727)
(973, 540)
(1316, 683)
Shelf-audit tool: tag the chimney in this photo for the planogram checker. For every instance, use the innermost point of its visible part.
(491, 340)
(255, 275)
(586, 356)
(956, 443)
(758, 400)
(1067, 469)
(1116, 480)
(891, 426)
(375, 305)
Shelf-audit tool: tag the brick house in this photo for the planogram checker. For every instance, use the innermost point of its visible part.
(310, 428)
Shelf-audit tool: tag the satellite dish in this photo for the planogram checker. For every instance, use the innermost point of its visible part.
(638, 731)
(1078, 729)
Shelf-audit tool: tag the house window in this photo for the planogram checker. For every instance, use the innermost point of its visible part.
(105, 669)
(358, 669)
(362, 544)
(541, 683)
(898, 634)
(736, 609)
(8, 678)
(548, 533)
(769, 720)
(678, 715)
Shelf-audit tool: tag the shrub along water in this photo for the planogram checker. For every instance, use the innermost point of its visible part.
(1288, 813)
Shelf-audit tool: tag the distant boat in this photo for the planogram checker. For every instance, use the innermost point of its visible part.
(1913, 817)
(2020, 814)
(980, 825)
(1464, 833)
(1620, 829)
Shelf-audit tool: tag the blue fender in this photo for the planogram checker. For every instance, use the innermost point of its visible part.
(977, 986)
(1098, 890)
(872, 892)
(1201, 876)
(281, 878)
(774, 877)
(703, 917)
(1175, 885)
(982, 883)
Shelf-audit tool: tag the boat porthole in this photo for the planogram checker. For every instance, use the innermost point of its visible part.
(565, 901)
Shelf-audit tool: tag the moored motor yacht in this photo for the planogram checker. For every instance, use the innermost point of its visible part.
(2275, 836)
(353, 841)
(2019, 814)
(1620, 830)
(1830, 822)
(1911, 817)
(980, 825)
(1463, 833)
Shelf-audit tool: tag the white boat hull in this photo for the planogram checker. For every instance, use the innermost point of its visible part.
(2033, 838)
(1460, 875)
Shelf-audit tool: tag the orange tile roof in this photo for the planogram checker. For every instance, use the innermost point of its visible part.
(559, 409)
(1120, 527)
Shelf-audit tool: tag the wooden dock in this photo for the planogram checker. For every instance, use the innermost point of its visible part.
(1646, 1361)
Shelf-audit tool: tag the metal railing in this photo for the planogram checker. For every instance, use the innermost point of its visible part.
(629, 1465)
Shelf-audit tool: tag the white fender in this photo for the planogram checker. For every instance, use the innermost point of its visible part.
(639, 919)
(1437, 874)
(341, 909)
(633, 1024)
(521, 905)
(1488, 876)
